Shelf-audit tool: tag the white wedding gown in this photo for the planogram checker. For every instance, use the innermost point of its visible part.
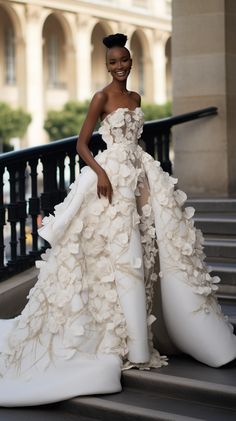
(89, 314)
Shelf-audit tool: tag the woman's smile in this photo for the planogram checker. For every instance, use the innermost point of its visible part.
(120, 73)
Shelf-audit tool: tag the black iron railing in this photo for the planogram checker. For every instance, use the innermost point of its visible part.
(34, 180)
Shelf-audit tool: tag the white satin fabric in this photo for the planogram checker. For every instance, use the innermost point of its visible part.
(90, 313)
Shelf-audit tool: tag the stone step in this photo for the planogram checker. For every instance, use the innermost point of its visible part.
(216, 224)
(13, 292)
(226, 271)
(228, 305)
(188, 379)
(228, 297)
(220, 247)
(229, 309)
(212, 205)
(51, 412)
(184, 390)
(221, 260)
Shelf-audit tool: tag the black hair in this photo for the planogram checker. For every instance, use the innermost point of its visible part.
(115, 40)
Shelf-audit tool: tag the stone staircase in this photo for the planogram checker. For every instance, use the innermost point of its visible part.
(217, 219)
(185, 389)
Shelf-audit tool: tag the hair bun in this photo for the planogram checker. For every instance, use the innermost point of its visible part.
(115, 40)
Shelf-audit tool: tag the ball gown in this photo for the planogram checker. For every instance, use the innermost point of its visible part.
(90, 314)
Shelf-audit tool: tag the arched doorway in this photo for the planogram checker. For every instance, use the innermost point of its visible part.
(137, 75)
(54, 57)
(58, 62)
(100, 76)
(141, 79)
(7, 49)
(11, 58)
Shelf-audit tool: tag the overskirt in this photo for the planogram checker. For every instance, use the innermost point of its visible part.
(90, 313)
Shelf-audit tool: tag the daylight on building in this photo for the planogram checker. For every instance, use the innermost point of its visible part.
(118, 274)
(52, 52)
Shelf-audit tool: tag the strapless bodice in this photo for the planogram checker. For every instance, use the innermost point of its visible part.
(122, 126)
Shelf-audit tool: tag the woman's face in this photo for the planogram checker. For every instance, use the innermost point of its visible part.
(119, 63)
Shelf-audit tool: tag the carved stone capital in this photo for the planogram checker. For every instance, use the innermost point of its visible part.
(161, 36)
(33, 12)
(83, 21)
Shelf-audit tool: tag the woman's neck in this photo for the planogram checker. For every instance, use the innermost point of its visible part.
(119, 86)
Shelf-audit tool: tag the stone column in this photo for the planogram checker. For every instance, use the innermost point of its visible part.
(20, 42)
(71, 69)
(204, 58)
(83, 57)
(34, 75)
(21, 76)
(70, 53)
(230, 36)
(159, 66)
(148, 78)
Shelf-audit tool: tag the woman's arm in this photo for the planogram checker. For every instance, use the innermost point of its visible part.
(95, 110)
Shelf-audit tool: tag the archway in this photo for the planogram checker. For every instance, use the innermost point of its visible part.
(12, 49)
(54, 54)
(100, 76)
(7, 49)
(138, 72)
(142, 74)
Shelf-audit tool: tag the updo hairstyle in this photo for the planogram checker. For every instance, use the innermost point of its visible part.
(115, 40)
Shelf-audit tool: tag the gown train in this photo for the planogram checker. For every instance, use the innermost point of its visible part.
(90, 313)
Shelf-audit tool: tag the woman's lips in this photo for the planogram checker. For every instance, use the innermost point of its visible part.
(120, 73)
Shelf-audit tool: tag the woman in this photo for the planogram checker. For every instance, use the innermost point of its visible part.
(89, 314)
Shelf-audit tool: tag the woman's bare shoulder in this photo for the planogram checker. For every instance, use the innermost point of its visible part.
(136, 97)
(98, 103)
(100, 97)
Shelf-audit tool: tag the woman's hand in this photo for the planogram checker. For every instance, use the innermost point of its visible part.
(104, 186)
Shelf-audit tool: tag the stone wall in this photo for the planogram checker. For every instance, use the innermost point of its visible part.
(203, 48)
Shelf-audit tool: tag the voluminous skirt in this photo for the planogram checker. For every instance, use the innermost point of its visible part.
(90, 313)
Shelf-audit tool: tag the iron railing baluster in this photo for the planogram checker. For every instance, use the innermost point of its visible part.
(61, 184)
(72, 164)
(167, 165)
(159, 147)
(3, 268)
(34, 206)
(22, 214)
(13, 215)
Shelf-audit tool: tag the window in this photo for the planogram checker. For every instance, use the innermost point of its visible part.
(10, 58)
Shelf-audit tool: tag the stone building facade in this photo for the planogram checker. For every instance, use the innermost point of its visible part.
(51, 52)
(204, 63)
